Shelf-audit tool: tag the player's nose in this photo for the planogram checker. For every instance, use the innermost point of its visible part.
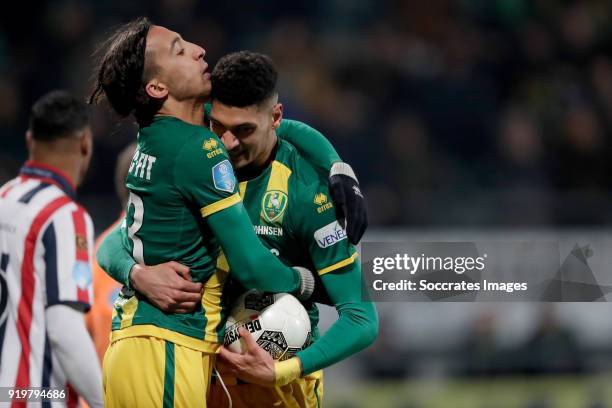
(199, 52)
(229, 140)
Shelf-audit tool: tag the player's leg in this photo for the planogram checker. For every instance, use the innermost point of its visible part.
(192, 377)
(152, 372)
(134, 372)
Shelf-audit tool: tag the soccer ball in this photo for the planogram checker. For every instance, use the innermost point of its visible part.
(278, 323)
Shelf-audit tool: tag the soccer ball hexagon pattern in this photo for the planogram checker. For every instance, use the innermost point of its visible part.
(278, 322)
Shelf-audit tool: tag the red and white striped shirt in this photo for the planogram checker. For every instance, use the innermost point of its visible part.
(46, 242)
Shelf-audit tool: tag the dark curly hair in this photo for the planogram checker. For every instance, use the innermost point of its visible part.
(243, 78)
(123, 71)
(56, 115)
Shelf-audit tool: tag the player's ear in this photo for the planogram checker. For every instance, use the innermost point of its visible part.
(277, 115)
(86, 143)
(156, 89)
(29, 140)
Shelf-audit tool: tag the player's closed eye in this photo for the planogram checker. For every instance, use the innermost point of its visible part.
(243, 131)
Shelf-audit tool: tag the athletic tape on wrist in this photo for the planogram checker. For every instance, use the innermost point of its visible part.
(287, 371)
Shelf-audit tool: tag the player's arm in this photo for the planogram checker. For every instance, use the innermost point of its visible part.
(168, 285)
(343, 183)
(310, 143)
(356, 317)
(114, 258)
(210, 184)
(336, 262)
(68, 242)
(75, 352)
(254, 266)
(355, 329)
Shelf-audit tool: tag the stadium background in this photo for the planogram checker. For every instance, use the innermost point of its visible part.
(461, 117)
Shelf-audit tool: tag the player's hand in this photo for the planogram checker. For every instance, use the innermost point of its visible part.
(168, 286)
(255, 365)
(349, 201)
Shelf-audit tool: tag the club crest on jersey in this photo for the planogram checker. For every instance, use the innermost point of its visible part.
(81, 274)
(273, 205)
(212, 146)
(321, 200)
(223, 176)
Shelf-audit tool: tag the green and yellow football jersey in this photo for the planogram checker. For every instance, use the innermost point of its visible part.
(180, 174)
(293, 215)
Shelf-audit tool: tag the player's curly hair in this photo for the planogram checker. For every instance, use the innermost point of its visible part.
(243, 78)
(123, 71)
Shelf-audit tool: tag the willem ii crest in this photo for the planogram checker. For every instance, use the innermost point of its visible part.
(273, 205)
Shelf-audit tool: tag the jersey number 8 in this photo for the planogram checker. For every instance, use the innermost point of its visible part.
(138, 250)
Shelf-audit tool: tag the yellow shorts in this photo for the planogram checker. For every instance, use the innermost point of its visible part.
(151, 372)
(306, 392)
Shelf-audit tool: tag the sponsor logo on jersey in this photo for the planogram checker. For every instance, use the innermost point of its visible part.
(223, 176)
(273, 205)
(330, 235)
(81, 274)
(322, 201)
(268, 230)
(212, 146)
(81, 242)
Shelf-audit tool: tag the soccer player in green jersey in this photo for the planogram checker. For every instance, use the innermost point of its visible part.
(287, 200)
(183, 204)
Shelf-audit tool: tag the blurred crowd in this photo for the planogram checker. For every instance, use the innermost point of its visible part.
(550, 347)
(453, 112)
(490, 360)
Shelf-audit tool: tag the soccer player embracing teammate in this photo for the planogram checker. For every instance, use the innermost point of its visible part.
(185, 205)
(284, 192)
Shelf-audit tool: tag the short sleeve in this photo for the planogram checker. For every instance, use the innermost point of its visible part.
(68, 248)
(320, 231)
(204, 175)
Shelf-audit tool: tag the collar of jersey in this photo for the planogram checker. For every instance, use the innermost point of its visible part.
(50, 175)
